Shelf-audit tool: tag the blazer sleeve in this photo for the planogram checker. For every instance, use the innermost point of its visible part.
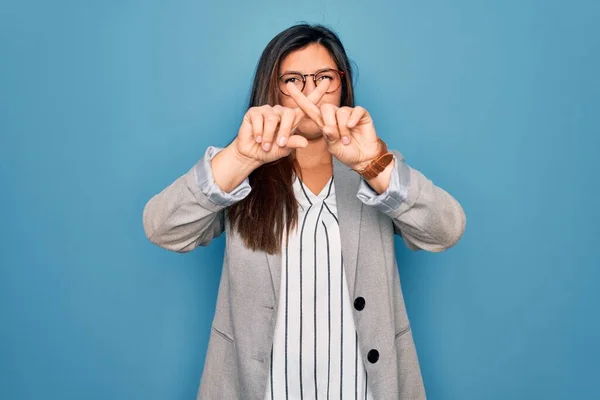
(426, 216)
(191, 211)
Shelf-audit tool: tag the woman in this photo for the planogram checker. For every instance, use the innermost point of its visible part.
(309, 304)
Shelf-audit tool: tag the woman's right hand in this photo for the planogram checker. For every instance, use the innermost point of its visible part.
(267, 132)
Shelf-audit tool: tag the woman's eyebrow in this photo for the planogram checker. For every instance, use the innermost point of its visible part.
(298, 72)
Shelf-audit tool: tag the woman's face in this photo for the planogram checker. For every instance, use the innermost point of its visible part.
(309, 60)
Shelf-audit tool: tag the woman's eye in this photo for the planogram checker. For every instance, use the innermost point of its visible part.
(293, 80)
(323, 77)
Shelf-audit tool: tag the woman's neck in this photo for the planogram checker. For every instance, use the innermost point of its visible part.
(316, 165)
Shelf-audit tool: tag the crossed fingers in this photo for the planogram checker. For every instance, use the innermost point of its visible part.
(335, 122)
(279, 123)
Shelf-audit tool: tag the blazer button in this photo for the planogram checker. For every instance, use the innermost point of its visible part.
(373, 356)
(359, 303)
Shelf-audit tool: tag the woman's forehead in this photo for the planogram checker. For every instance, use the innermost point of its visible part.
(309, 59)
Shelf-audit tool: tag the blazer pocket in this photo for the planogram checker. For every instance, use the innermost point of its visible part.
(402, 333)
(223, 335)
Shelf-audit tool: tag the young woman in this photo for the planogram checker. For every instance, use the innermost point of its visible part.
(309, 304)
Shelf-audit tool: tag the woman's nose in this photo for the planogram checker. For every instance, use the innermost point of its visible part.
(309, 87)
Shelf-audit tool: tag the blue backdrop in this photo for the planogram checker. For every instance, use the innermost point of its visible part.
(103, 103)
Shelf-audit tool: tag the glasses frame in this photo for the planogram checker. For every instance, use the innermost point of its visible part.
(314, 78)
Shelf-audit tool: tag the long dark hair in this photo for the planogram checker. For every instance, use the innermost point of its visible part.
(260, 219)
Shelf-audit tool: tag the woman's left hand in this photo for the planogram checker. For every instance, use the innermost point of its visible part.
(350, 135)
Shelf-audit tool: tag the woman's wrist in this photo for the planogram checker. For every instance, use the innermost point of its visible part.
(370, 168)
(241, 160)
(361, 165)
(230, 168)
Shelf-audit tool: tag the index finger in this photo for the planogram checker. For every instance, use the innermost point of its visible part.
(307, 105)
(316, 95)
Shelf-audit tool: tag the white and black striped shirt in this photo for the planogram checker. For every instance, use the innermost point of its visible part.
(315, 353)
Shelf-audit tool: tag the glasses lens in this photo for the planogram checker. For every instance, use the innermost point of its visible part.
(333, 76)
(296, 79)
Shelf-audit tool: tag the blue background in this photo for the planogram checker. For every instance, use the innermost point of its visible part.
(102, 104)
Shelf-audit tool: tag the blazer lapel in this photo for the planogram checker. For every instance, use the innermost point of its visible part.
(274, 261)
(349, 214)
(349, 209)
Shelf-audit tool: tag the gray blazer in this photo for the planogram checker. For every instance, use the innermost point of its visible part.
(183, 217)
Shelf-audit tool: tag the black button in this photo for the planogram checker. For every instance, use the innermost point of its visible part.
(359, 303)
(373, 356)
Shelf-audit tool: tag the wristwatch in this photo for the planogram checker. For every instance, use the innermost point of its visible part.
(378, 164)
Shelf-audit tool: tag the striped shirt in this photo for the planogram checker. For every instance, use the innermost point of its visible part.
(315, 352)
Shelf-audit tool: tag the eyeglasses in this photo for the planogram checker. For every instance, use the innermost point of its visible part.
(299, 80)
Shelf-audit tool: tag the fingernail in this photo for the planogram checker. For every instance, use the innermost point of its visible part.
(345, 140)
(282, 141)
(258, 139)
(266, 146)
